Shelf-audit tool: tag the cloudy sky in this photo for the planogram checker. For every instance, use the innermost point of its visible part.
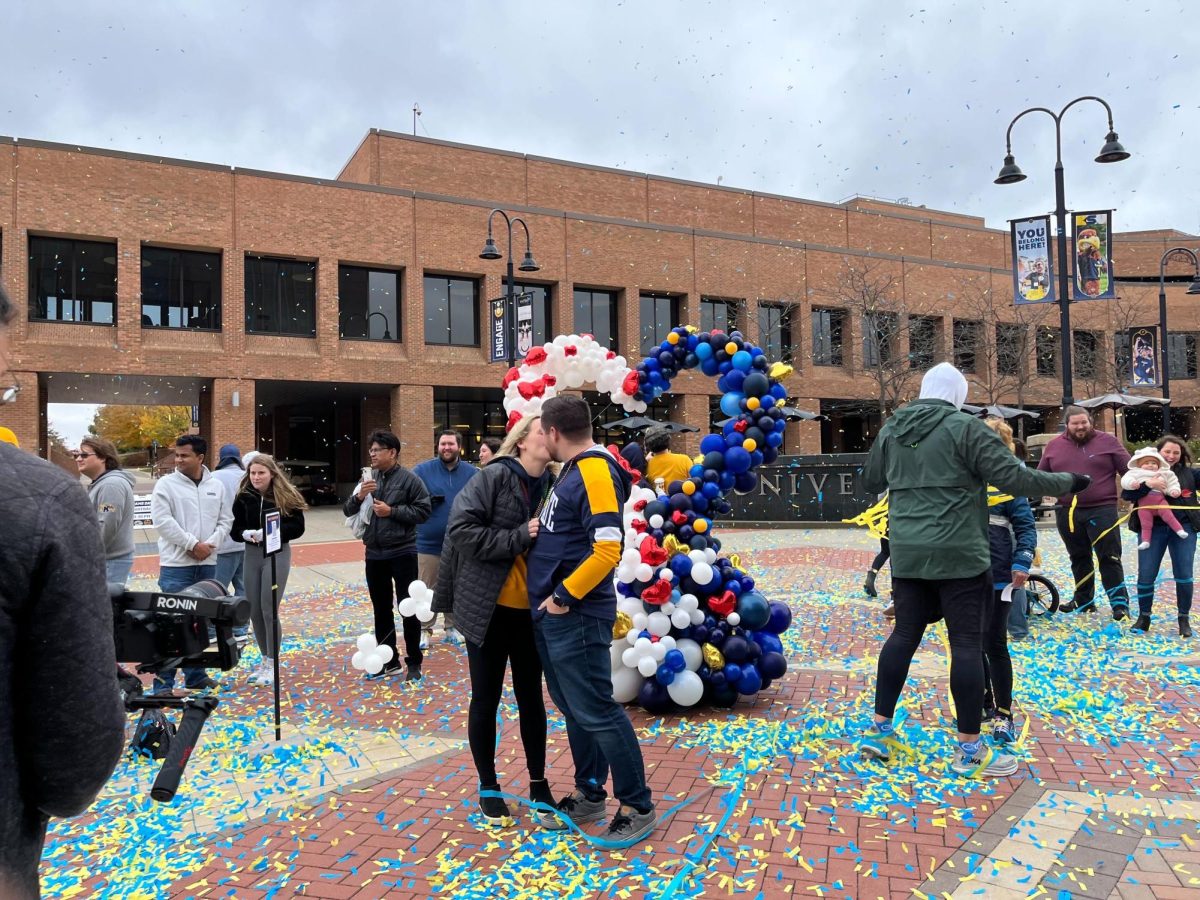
(820, 100)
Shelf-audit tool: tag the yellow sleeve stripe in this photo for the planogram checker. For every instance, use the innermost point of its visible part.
(595, 568)
(598, 482)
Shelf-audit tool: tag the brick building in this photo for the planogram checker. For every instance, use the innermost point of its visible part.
(299, 313)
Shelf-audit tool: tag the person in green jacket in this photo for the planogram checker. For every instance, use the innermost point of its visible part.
(937, 462)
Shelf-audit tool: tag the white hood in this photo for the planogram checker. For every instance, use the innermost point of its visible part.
(944, 382)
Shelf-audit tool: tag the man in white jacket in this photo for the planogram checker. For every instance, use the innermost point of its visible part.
(189, 511)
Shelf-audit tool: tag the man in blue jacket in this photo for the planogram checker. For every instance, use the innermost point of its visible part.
(443, 476)
(570, 574)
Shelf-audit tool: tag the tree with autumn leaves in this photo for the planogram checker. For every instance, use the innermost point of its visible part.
(137, 427)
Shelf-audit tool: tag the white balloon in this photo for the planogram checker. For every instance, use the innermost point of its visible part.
(697, 556)
(658, 624)
(681, 618)
(689, 602)
(385, 653)
(656, 521)
(668, 642)
(686, 689)
(417, 587)
(407, 607)
(366, 642)
(358, 660)
(632, 637)
(643, 644)
(631, 557)
(666, 574)
(616, 656)
(647, 666)
(733, 619)
(697, 616)
(645, 572)
(702, 573)
(692, 652)
(373, 664)
(425, 614)
(630, 657)
(710, 555)
(631, 606)
(639, 622)
(626, 684)
(668, 607)
(658, 652)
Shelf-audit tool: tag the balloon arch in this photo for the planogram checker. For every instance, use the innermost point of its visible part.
(691, 626)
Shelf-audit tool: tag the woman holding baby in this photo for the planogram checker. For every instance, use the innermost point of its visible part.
(1164, 523)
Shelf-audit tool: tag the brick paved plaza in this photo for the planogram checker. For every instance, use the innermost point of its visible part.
(372, 793)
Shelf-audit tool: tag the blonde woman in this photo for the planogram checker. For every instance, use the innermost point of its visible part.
(481, 581)
(266, 488)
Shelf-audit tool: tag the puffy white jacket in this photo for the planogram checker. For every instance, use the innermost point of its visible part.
(230, 477)
(186, 514)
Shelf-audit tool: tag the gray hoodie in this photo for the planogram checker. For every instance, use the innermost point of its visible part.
(112, 496)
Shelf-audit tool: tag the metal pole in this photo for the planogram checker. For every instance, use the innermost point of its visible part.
(1165, 345)
(510, 303)
(1064, 299)
(277, 637)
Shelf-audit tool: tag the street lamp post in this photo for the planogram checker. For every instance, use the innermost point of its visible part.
(491, 251)
(1193, 288)
(1010, 173)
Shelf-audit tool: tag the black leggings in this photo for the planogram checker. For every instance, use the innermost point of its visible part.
(884, 554)
(963, 603)
(997, 665)
(509, 638)
(381, 575)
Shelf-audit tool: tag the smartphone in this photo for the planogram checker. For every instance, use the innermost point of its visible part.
(367, 473)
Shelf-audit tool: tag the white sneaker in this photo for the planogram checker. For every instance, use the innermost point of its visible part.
(1145, 545)
(452, 636)
(266, 674)
(1182, 532)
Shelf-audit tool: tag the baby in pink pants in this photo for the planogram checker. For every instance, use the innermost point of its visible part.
(1145, 465)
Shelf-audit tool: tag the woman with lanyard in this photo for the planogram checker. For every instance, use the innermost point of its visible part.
(482, 584)
(1162, 540)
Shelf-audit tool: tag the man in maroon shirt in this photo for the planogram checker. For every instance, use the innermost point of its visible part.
(1081, 448)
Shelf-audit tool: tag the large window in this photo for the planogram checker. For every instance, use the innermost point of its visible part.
(1181, 354)
(543, 304)
(596, 314)
(775, 331)
(880, 330)
(281, 296)
(718, 315)
(923, 341)
(658, 314)
(369, 304)
(1121, 357)
(1085, 353)
(968, 342)
(451, 311)
(1010, 348)
(1047, 350)
(181, 289)
(828, 328)
(72, 281)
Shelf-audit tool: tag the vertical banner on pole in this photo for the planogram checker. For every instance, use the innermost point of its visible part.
(1143, 356)
(498, 325)
(1033, 268)
(524, 323)
(1093, 256)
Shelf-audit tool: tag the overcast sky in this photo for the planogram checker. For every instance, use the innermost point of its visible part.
(819, 100)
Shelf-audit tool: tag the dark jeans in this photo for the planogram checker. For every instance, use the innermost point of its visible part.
(1183, 558)
(964, 604)
(381, 575)
(1090, 523)
(997, 665)
(884, 554)
(176, 578)
(575, 656)
(509, 640)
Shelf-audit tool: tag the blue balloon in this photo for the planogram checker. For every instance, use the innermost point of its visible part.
(737, 460)
(780, 619)
(704, 350)
(742, 360)
(735, 649)
(699, 502)
(769, 454)
(778, 391)
(755, 385)
(734, 380)
(745, 482)
(731, 403)
(772, 665)
(732, 672)
(770, 643)
(653, 697)
(774, 439)
(675, 660)
(754, 611)
(708, 366)
(723, 696)
(710, 488)
(750, 681)
(680, 564)
(664, 675)
(725, 482)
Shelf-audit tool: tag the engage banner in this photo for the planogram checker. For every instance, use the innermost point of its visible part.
(1143, 356)
(1033, 270)
(1093, 256)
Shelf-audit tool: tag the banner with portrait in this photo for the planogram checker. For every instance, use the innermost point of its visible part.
(1143, 356)
(1033, 270)
(1092, 243)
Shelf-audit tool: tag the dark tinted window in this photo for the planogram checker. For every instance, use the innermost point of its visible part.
(281, 296)
(1011, 347)
(596, 314)
(968, 338)
(775, 331)
(922, 341)
(72, 281)
(828, 328)
(718, 315)
(451, 311)
(369, 303)
(658, 314)
(180, 289)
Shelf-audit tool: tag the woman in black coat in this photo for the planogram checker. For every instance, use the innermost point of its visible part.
(1162, 540)
(481, 582)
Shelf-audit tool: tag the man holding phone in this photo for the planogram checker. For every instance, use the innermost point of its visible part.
(443, 476)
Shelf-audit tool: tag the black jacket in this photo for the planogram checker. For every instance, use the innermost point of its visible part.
(1188, 480)
(249, 511)
(62, 725)
(488, 530)
(396, 535)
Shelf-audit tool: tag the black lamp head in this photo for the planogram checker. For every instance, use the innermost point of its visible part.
(490, 250)
(528, 264)
(1010, 172)
(1112, 151)
(1194, 287)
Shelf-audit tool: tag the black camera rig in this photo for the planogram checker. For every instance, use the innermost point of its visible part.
(163, 630)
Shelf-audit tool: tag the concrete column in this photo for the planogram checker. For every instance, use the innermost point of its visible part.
(26, 416)
(412, 420)
(231, 424)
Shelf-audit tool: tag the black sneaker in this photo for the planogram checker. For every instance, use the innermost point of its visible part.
(989, 713)
(386, 672)
(414, 674)
(576, 807)
(1185, 626)
(207, 684)
(630, 826)
(1142, 624)
(539, 792)
(494, 809)
(1120, 612)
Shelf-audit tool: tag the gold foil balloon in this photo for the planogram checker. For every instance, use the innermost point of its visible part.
(622, 625)
(671, 545)
(779, 370)
(736, 562)
(712, 657)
